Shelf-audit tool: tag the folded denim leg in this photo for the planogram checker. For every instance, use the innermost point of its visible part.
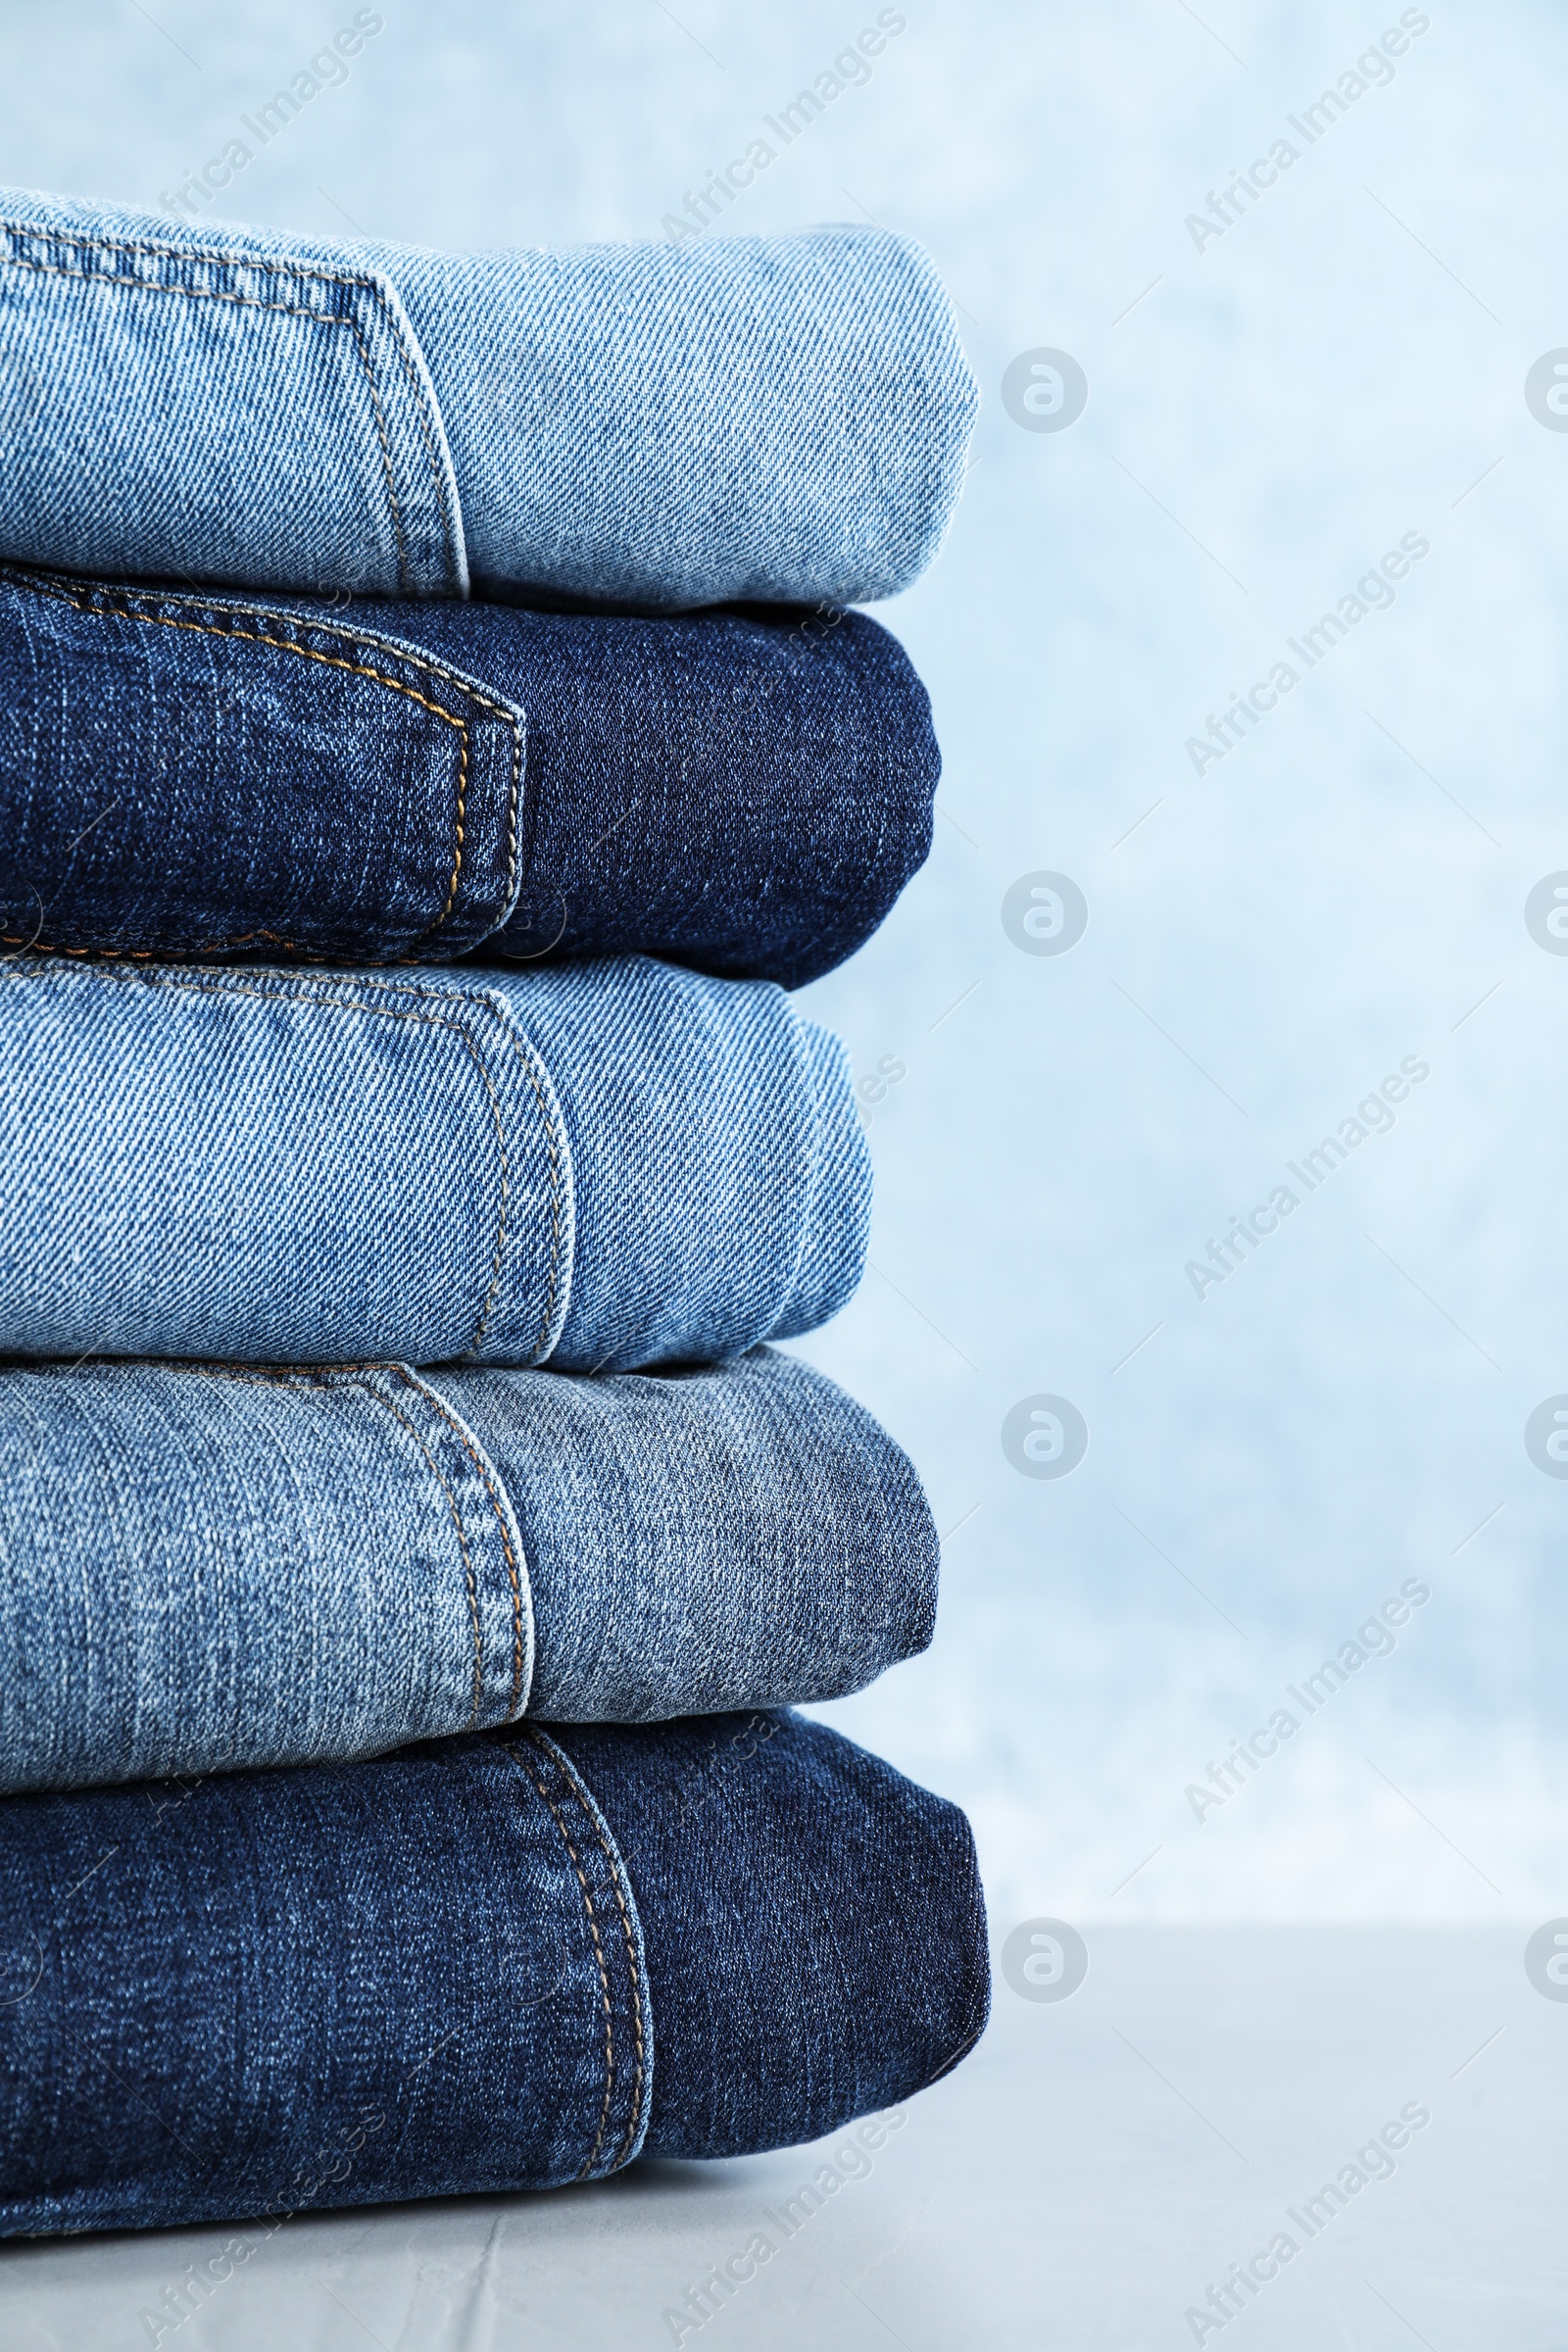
(776, 417)
(206, 1567)
(187, 775)
(782, 418)
(784, 1876)
(599, 1165)
(480, 1965)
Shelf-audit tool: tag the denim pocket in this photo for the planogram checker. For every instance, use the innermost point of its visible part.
(272, 419)
(185, 776)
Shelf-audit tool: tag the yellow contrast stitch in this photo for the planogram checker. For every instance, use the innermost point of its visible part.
(308, 653)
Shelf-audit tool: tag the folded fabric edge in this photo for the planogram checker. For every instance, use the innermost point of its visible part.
(74, 221)
(513, 1546)
(836, 1227)
(630, 2145)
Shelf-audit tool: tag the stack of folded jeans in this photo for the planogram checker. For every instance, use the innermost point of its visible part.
(431, 744)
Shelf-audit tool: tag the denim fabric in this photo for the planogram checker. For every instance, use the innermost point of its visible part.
(204, 1568)
(270, 1990)
(197, 777)
(782, 418)
(784, 1876)
(602, 1165)
(479, 1964)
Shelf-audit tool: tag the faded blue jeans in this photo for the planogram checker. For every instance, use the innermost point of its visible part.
(205, 1567)
(488, 1963)
(283, 780)
(783, 418)
(598, 1165)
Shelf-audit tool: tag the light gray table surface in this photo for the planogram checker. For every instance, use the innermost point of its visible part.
(1082, 2181)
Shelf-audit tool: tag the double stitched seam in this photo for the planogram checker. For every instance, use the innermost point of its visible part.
(360, 669)
(457, 1521)
(348, 1377)
(478, 1461)
(274, 265)
(131, 610)
(599, 1955)
(589, 1816)
(379, 1013)
(525, 1055)
(253, 302)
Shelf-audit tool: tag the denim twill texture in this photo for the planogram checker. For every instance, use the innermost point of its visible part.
(477, 1965)
(183, 775)
(600, 1165)
(203, 1568)
(782, 418)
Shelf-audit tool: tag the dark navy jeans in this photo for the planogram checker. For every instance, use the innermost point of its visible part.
(746, 791)
(501, 1961)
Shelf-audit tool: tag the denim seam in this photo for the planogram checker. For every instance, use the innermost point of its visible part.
(439, 1406)
(598, 1953)
(133, 598)
(540, 1355)
(290, 309)
(308, 653)
(462, 1545)
(225, 987)
(614, 1866)
(274, 265)
(525, 1055)
(352, 1376)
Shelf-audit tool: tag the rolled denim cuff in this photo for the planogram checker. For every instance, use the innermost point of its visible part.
(204, 1567)
(644, 423)
(836, 1230)
(832, 1886)
(601, 1165)
(420, 1977)
(196, 776)
(485, 1964)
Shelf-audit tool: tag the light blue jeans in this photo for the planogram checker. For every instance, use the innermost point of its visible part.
(777, 418)
(599, 1165)
(205, 1568)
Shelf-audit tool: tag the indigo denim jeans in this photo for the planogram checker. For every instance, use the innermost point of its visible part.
(599, 1165)
(783, 418)
(204, 1567)
(501, 1961)
(188, 775)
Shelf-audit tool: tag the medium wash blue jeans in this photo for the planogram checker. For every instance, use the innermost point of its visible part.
(184, 775)
(783, 418)
(205, 1567)
(598, 1165)
(501, 1961)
